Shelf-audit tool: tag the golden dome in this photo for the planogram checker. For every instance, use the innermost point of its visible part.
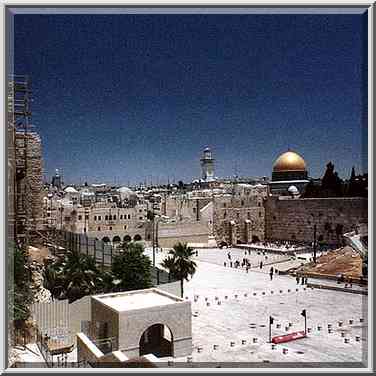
(289, 161)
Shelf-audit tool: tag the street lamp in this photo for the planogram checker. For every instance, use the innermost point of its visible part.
(304, 314)
(315, 235)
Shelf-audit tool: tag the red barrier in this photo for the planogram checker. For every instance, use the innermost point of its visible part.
(289, 337)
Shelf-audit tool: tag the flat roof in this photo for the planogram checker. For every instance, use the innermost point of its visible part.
(131, 300)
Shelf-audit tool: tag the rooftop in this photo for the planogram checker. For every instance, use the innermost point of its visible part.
(141, 299)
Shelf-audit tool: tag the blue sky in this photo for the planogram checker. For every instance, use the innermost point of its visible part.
(124, 98)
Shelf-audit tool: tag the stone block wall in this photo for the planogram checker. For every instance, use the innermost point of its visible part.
(294, 219)
(237, 219)
(29, 182)
(190, 232)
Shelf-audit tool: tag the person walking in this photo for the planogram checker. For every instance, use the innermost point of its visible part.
(260, 264)
(271, 273)
(297, 279)
(224, 264)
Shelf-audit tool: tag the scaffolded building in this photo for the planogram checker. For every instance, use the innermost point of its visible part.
(24, 164)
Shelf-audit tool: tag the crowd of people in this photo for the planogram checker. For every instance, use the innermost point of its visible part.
(246, 264)
(281, 244)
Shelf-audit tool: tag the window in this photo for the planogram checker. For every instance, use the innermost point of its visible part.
(121, 216)
(249, 215)
(242, 203)
(114, 217)
(260, 214)
(84, 229)
(48, 214)
(259, 204)
(224, 204)
(86, 216)
(110, 217)
(110, 228)
(99, 217)
(129, 216)
(79, 217)
(125, 227)
(95, 218)
(99, 228)
(141, 218)
(106, 217)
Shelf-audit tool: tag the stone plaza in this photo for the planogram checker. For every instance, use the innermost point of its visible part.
(231, 310)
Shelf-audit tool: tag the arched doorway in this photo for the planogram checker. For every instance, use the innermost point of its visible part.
(255, 239)
(116, 239)
(137, 238)
(127, 238)
(157, 339)
(106, 239)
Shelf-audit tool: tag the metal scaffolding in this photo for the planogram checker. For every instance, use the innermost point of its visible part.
(19, 109)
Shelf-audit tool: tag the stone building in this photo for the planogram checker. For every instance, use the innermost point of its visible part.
(140, 322)
(105, 221)
(239, 217)
(294, 219)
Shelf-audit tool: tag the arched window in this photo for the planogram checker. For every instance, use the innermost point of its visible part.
(137, 238)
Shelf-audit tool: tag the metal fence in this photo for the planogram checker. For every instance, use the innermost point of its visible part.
(102, 252)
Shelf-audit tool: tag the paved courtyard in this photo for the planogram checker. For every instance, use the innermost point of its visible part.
(231, 310)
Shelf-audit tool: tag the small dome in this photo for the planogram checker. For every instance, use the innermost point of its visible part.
(289, 161)
(70, 190)
(126, 193)
(293, 190)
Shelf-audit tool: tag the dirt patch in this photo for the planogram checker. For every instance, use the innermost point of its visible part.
(344, 260)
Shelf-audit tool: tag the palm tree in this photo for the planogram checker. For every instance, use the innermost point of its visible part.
(169, 264)
(80, 275)
(180, 264)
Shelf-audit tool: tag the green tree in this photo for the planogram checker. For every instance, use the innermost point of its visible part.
(81, 276)
(22, 293)
(180, 263)
(73, 277)
(132, 269)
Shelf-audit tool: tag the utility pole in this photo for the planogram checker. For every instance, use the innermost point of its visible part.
(271, 320)
(153, 232)
(314, 242)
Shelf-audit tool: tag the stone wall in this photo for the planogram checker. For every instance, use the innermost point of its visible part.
(29, 181)
(190, 232)
(240, 217)
(294, 219)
